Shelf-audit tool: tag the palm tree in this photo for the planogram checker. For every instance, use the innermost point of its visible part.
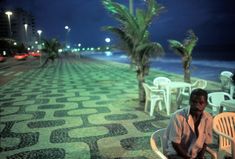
(134, 36)
(185, 51)
(51, 48)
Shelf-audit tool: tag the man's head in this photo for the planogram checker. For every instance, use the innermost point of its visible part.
(198, 101)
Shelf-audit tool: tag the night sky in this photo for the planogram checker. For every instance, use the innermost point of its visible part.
(213, 21)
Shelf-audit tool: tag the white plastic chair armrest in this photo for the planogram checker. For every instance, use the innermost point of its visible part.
(157, 151)
(232, 140)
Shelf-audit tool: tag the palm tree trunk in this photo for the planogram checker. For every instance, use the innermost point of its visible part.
(140, 77)
(187, 73)
(45, 62)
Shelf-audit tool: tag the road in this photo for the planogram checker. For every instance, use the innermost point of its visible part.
(12, 68)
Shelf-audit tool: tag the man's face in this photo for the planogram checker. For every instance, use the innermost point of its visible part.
(197, 105)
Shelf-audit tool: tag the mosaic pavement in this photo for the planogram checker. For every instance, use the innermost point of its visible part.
(75, 109)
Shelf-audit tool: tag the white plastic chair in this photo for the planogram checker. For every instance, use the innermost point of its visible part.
(224, 126)
(163, 83)
(227, 82)
(153, 95)
(159, 149)
(215, 98)
(226, 73)
(197, 84)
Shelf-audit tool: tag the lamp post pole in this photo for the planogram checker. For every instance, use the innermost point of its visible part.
(67, 28)
(40, 47)
(107, 40)
(9, 13)
(131, 6)
(26, 34)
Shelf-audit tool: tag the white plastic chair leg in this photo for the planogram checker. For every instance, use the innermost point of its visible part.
(152, 106)
(146, 105)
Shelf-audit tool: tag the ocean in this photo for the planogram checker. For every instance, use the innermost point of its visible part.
(205, 69)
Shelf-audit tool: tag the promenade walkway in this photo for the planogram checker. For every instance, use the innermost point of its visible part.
(77, 109)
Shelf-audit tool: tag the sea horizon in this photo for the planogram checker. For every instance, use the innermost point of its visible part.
(208, 69)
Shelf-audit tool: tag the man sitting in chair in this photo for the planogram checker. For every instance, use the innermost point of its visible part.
(190, 129)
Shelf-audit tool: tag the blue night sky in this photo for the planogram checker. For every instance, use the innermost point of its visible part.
(213, 21)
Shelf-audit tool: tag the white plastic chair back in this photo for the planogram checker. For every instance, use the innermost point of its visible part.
(226, 73)
(215, 98)
(199, 84)
(224, 126)
(153, 96)
(227, 84)
(161, 82)
(159, 135)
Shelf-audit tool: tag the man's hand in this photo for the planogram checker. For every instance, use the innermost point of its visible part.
(180, 150)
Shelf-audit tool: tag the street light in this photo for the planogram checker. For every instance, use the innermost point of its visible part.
(26, 34)
(107, 40)
(9, 13)
(131, 6)
(67, 34)
(39, 46)
(39, 35)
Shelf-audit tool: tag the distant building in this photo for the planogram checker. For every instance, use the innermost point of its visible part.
(22, 26)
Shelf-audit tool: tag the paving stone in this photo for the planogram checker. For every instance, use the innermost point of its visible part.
(77, 109)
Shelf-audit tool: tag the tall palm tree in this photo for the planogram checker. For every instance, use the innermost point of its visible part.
(134, 36)
(185, 51)
(50, 48)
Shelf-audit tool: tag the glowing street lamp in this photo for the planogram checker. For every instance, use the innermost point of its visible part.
(67, 34)
(107, 40)
(39, 39)
(9, 13)
(39, 35)
(26, 33)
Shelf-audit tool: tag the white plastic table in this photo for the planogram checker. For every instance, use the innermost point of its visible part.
(230, 104)
(175, 85)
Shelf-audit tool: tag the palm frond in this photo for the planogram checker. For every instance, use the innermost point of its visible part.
(127, 42)
(177, 47)
(120, 12)
(153, 9)
(133, 30)
(51, 46)
(190, 41)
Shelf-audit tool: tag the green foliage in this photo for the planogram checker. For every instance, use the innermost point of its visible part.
(185, 48)
(185, 51)
(133, 31)
(51, 47)
(190, 41)
(134, 36)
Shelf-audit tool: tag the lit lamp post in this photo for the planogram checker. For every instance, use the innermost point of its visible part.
(39, 35)
(107, 40)
(108, 53)
(131, 6)
(26, 33)
(9, 13)
(39, 46)
(67, 35)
